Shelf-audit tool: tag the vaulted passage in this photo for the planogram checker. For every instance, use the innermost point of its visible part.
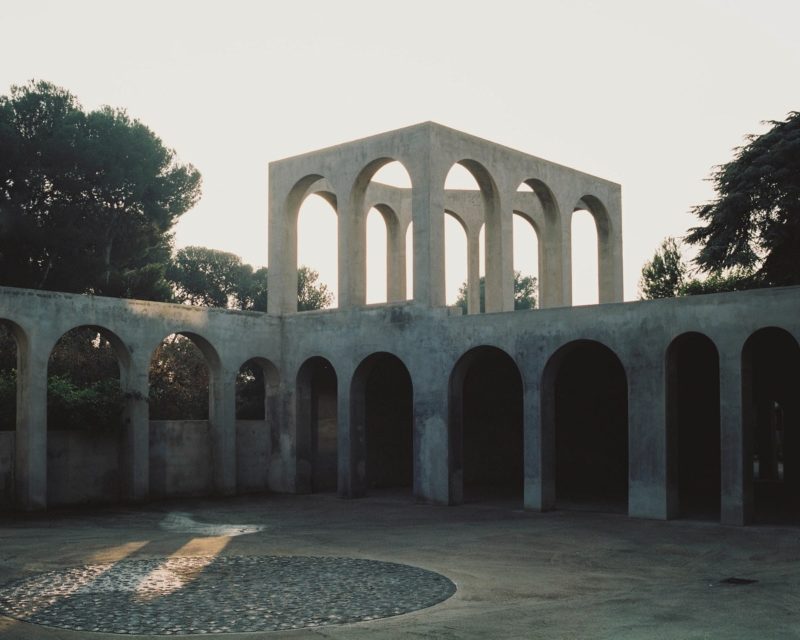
(486, 426)
(591, 428)
(693, 423)
(771, 396)
(382, 389)
(317, 422)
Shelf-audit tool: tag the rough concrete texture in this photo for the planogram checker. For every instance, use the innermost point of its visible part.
(558, 575)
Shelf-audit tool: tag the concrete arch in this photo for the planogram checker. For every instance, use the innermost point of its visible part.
(121, 350)
(770, 361)
(693, 426)
(590, 465)
(498, 258)
(316, 425)
(609, 247)
(381, 430)
(353, 240)
(95, 475)
(485, 426)
(283, 235)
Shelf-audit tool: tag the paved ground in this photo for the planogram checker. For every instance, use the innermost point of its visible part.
(519, 575)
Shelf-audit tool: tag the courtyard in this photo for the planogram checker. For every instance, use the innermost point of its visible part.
(517, 574)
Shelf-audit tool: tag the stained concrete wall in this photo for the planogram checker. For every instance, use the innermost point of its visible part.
(180, 458)
(253, 451)
(82, 467)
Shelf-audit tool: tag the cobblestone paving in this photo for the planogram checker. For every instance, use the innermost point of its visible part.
(201, 595)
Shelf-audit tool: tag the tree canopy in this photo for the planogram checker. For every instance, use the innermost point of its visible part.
(87, 199)
(754, 223)
(524, 293)
(666, 275)
(213, 278)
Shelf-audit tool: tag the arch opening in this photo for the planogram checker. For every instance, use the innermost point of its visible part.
(378, 254)
(486, 428)
(526, 262)
(589, 389)
(8, 380)
(256, 416)
(317, 424)
(384, 187)
(771, 397)
(471, 192)
(179, 379)
(383, 407)
(318, 248)
(585, 271)
(85, 410)
(693, 423)
(456, 252)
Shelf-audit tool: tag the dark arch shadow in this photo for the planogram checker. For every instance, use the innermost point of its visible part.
(317, 426)
(585, 409)
(771, 413)
(486, 428)
(693, 427)
(382, 413)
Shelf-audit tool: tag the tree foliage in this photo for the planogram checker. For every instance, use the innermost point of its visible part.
(87, 199)
(525, 288)
(213, 278)
(754, 223)
(666, 275)
(663, 275)
(178, 381)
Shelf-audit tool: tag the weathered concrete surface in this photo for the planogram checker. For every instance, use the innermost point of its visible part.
(7, 467)
(83, 467)
(519, 574)
(253, 451)
(180, 458)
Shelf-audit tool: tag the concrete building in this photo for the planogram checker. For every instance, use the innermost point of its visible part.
(661, 409)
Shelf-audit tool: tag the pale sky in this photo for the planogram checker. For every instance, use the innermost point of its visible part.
(650, 95)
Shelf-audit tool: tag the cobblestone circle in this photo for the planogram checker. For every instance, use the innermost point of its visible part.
(201, 595)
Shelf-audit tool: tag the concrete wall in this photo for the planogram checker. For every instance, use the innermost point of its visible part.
(162, 459)
(82, 467)
(7, 468)
(253, 451)
(180, 458)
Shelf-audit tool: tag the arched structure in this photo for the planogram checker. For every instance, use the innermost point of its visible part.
(585, 416)
(771, 408)
(693, 426)
(381, 434)
(633, 369)
(316, 426)
(485, 412)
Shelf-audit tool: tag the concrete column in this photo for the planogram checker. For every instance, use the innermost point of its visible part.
(351, 443)
(352, 256)
(433, 480)
(222, 424)
(395, 262)
(499, 255)
(736, 446)
(540, 449)
(427, 209)
(31, 435)
(647, 434)
(555, 255)
(609, 254)
(135, 446)
(473, 271)
(282, 274)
